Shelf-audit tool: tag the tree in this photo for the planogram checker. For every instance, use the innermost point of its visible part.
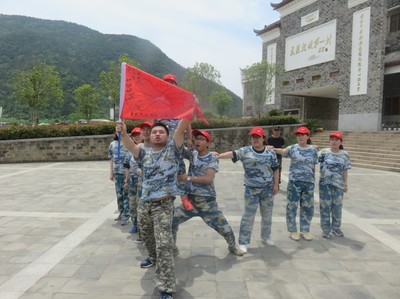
(202, 79)
(221, 100)
(37, 88)
(87, 98)
(259, 84)
(110, 80)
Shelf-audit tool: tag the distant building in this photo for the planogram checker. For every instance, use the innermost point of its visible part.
(341, 61)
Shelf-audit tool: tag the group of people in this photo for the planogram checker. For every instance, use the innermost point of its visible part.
(157, 174)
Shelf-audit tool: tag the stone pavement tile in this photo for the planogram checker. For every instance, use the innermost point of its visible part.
(38, 295)
(341, 277)
(232, 289)
(285, 275)
(200, 273)
(392, 278)
(311, 277)
(25, 257)
(197, 289)
(234, 273)
(62, 270)
(123, 287)
(305, 264)
(48, 285)
(329, 265)
(78, 286)
(356, 265)
(101, 259)
(291, 290)
(257, 275)
(381, 266)
(76, 257)
(369, 278)
(263, 289)
(340, 291)
(90, 271)
(384, 292)
(127, 271)
(3, 278)
(9, 269)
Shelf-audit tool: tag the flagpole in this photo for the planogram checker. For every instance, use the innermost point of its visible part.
(121, 102)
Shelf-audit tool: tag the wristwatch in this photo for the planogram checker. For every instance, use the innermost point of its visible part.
(189, 178)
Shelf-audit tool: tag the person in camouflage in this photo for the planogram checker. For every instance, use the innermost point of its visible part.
(159, 165)
(117, 175)
(303, 158)
(261, 180)
(133, 173)
(334, 164)
(202, 169)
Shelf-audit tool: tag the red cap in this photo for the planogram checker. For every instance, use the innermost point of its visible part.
(203, 133)
(136, 130)
(302, 130)
(170, 77)
(146, 123)
(337, 135)
(257, 131)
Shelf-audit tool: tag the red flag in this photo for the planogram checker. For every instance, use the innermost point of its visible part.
(144, 96)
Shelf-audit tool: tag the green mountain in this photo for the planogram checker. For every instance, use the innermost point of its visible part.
(80, 54)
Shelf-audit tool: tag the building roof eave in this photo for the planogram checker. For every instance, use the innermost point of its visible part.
(281, 4)
(267, 28)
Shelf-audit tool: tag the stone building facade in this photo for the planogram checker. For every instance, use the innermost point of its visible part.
(341, 62)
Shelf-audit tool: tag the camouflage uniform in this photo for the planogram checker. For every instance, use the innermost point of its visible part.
(331, 186)
(134, 176)
(301, 186)
(172, 125)
(159, 172)
(203, 198)
(259, 170)
(119, 177)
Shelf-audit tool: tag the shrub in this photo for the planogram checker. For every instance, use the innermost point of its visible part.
(103, 128)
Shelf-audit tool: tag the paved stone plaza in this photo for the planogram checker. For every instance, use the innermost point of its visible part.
(58, 239)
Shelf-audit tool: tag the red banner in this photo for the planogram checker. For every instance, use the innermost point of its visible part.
(144, 96)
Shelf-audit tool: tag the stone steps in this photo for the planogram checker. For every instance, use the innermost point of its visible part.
(373, 150)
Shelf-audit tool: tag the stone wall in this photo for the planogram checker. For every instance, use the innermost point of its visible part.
(84, 148)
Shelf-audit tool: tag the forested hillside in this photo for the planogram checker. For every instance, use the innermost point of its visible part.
(80, 54)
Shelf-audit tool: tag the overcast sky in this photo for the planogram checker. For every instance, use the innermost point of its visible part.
(218, 32)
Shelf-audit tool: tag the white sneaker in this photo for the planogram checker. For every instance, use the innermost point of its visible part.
(306, 236)
(269, 242)
(243, 248)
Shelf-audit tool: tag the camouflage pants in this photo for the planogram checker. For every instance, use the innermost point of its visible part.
(302, 192)
(252, 198)
(206, 208)
(122, 195)
(133, 199)
(330, 205)
(155, 222)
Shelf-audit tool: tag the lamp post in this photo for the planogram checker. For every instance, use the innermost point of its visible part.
(112, 109)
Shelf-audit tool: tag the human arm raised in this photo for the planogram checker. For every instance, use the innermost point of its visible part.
(180, 131)
(126, 140)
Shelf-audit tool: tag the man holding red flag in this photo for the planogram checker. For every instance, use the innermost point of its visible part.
(156, 204)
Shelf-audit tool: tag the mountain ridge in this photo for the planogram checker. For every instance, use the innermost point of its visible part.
(79, 53)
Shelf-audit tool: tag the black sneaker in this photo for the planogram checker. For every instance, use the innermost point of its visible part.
(147, 263)
(338, 232)
(165, 295)
(327, 235)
